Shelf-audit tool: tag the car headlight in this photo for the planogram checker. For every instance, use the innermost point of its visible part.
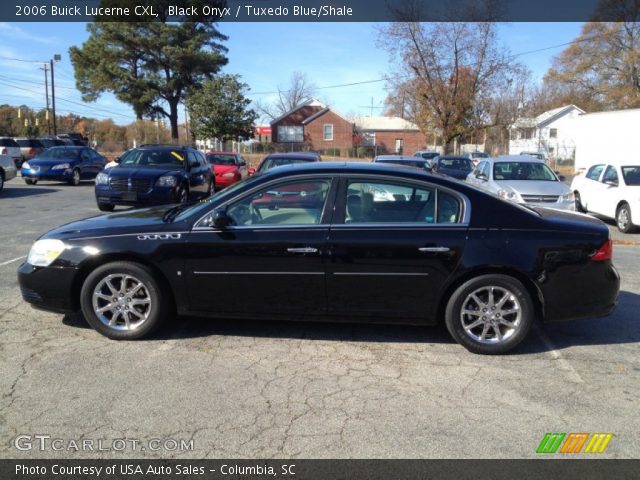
(102, 178)
(508, 195)
(61, 166)
(44, 252)
(26, 166)
(569, 197)
(228, 174)
(167, 181)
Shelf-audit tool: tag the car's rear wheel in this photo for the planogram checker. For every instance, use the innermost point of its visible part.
(123, 301)
(106, 207)
(623, 219)
(28, 181)
(75, 177)
(490, 314)
(579, 207)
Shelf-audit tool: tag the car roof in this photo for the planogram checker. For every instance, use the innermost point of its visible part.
(222, 153)
(518, 158)
(305, 155)
(396, 157)
(161, 146)
(453, 157)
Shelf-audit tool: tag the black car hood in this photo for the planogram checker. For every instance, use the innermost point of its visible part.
(142, 172)
(141, 220)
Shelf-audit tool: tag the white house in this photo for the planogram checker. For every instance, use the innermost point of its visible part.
(607, 137)
(552, 133)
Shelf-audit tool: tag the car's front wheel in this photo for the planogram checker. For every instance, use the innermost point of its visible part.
(106, 207)
(490, 314)
(28, 181)
(75, 177)
(623, 219)
(123, 301)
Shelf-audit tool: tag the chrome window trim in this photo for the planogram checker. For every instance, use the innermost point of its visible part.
(465, 203)
(257, 273)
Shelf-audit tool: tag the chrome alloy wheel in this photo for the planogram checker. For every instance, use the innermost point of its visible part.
(623, 218)
(121, 302)
(491, 314)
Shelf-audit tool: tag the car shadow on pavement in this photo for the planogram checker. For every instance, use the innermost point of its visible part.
(622, 327)
(17, 192)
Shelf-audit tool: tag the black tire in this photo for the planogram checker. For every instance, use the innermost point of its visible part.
(623, 219)
(182, 195)
(211, 188)
(157, 310)
(521, 319)
(28, 181)
(106, 207)
(75, 178)
(579, 207)
(1, 180)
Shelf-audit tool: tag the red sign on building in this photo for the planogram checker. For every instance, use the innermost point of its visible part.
(263, 130)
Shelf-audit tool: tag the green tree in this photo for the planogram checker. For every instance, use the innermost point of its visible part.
(149, 65)
(220, 109)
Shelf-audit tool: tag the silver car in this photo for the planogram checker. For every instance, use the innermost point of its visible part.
(8, 169)
(523, 179)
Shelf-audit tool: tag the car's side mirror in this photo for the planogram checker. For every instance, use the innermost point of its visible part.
(252, 171)
(482, 176)
(562, 178)
(242, 164)
(220, 219)
(611, 183)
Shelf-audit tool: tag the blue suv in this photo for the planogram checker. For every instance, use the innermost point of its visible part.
(154, 175)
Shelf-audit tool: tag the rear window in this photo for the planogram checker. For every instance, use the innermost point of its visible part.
(273, 162)
(29, 143)
(463, 164)
(631, 175)
(217, 159)
(8, 142)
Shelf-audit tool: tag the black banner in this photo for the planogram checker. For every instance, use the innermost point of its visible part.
(316, 10)
(543, 469)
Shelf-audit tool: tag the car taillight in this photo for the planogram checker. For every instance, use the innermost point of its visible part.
(32, 151)
(3, 151)
(605, 252)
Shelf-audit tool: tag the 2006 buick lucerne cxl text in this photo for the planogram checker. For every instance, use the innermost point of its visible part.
(336, 242)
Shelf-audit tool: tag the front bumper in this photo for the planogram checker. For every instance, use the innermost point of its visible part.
(156, 196)
(568, 205)
(60, 174)
(48, 288)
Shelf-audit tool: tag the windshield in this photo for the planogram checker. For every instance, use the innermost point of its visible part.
(55, 153)
(631, 175)
(273, 162)
(153, 158)
(463, 164)
(218, 159)
(523, 171)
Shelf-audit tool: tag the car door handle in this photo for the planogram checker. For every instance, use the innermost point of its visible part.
(434, 249)
(302, 250)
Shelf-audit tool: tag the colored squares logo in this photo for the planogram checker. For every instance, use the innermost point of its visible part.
(574, 443)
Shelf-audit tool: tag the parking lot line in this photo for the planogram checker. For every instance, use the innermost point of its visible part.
(557, 356)
(7, 262)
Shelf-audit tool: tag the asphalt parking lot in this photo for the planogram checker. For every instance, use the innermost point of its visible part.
(262, 390)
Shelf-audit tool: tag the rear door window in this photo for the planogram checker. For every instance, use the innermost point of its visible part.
(594, 172)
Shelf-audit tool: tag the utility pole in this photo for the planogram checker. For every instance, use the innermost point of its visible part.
(46, 94)
(186, 124)
(55, 58)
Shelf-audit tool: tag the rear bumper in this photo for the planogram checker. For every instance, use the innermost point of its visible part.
(574, 295)
(48, 288)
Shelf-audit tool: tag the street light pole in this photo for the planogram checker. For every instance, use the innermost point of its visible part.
(46, 93)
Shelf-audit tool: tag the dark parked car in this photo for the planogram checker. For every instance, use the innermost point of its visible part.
(452, 166)
(281, 159)
(448, 252)
(66, 164)
(155, 174)
(49, 142)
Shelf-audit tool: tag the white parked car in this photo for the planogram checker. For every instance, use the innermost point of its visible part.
(8, 169)
(523, 179)
(8, 146)
(612, 191)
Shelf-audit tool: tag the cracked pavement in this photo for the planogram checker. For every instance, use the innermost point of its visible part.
(243, 389)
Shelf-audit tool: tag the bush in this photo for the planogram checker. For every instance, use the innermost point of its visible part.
(332, 151)
(365, 152)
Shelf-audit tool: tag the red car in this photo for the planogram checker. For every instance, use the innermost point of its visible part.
(227, 167)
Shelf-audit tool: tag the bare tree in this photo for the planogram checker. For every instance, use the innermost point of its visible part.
(452, 70)
(299, 90)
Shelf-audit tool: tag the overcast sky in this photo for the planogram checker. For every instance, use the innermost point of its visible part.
(264, 54)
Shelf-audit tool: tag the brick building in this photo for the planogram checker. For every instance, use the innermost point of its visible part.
(312, 125)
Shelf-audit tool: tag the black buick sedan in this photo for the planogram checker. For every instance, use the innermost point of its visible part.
(336, 242)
